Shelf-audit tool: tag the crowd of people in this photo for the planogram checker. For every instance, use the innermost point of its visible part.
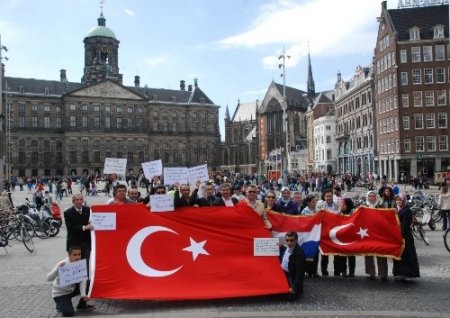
(262, 195)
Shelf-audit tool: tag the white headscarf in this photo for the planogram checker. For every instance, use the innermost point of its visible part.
(368, 203)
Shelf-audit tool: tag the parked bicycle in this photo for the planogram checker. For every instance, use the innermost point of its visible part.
(447, 239)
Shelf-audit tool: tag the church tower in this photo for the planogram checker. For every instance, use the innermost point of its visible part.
(101, 54)
(311, 88)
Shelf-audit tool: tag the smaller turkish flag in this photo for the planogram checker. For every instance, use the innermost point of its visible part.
(367, 231)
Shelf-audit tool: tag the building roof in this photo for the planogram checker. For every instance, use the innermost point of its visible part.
(59, 88)
(245, 111)
(425, 18)
(101, 29)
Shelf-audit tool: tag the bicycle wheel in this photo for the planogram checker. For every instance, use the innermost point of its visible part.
(437, 216)
(27, 239)
(423, 235)
(54, 228)
(27, 225)
(415, 232)
(447, 240)
(42, 230)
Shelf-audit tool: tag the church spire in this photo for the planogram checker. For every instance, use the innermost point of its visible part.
(227, 113)
(311, 89)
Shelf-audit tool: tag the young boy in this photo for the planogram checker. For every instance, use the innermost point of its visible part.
(63, 295)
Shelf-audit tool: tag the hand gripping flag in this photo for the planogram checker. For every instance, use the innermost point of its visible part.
(191, 253)
(367, 231)
(307, 228)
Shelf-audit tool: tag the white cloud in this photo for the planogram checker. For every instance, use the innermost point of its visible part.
(129, 12)
(155, 61)
(331, 27)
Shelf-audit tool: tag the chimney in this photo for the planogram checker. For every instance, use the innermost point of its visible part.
(189, 88)
(62, 75)
(183, 85)
(339, 77)
(137, 81)
(384, 5)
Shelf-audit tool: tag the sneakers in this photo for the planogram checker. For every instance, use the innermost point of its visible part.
(85, 307)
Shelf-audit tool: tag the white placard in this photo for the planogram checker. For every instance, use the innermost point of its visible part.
(161, 203)
(173, 175)
(152, 168)
(72, 272)
(266, 246)
(115, 165)
(103, 221)
(198, 173)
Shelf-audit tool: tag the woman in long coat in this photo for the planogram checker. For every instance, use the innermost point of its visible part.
(408, 265)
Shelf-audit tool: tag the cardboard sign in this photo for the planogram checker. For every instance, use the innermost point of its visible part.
(152, 168)
(266, 246)
(72, 272)
(115, 165)
(161, 203)
(103, 221)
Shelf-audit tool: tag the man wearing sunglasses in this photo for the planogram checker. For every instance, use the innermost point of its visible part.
(292, 260)
(257, 206)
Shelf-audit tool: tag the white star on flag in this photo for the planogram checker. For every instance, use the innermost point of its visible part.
(196, 248)
(362, 232)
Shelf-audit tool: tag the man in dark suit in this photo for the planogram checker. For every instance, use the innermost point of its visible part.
(293, 261)
(78, 226)
(225, 198)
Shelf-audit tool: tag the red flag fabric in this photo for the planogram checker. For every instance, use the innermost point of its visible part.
(191, 253)
(367, 231)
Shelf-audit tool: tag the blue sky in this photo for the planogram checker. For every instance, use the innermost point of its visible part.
(231, 46)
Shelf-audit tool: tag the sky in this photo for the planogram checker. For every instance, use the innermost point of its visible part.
(231, 46)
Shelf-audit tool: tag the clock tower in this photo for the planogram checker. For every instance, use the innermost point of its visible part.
(101, 58)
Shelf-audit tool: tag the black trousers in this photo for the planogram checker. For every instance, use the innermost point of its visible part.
(64, 303)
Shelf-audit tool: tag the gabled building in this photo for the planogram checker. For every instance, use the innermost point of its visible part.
(240, 149)
(69, 128)
(412, 74)
(355, 126)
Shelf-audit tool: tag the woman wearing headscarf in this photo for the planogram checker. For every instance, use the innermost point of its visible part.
(373, 202)
(340, 262)
(408, 265)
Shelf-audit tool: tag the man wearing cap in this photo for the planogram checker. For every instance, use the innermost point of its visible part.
(285, 202)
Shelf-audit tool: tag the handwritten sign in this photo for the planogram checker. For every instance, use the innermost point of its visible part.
(103, 221)
(173, 175)
(115, 165)
(161, 203)
(72, 272)
(152, 168)
(266, 246)
(198, 173)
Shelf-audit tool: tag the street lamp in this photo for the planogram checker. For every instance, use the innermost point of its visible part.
(284, 106)
(6, 111)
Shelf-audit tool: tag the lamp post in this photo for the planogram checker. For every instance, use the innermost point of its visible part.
(284, 106)
(4, 112)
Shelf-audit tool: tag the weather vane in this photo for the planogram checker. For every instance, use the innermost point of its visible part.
(101, 5)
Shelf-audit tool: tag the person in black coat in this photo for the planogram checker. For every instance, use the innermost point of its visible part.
(293, 262)
(225, 198)
(78, 226)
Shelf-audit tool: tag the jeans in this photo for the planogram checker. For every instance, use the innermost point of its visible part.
(445, 219)
(64, 303)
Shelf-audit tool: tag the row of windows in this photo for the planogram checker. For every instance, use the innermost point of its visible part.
(425, 76)
(438, 33)
(385, 62)
(320, 155)
(432, 98)
(427, 143)
(354, 123)
(387, 82)
(354, 104)
(426, 53)
(427, 121)
(387, 104)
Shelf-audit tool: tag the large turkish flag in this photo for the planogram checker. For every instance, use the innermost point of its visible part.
(366, 232)
(191, 253)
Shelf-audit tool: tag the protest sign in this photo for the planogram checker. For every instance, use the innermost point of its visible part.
(72, 272)
(266, 247)
(152, 168)
(103, 221)
(173, 175)
(161, 203)
(198, 173)
(115, 165)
